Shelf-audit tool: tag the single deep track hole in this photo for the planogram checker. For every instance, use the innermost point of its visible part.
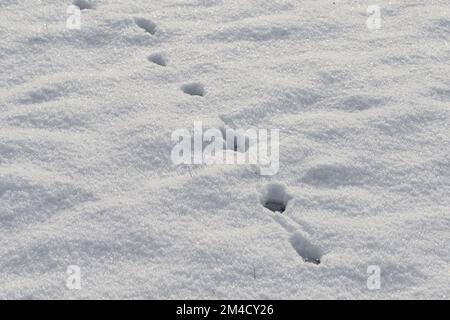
(84, 4)
(146, 25)
(158, 59)
(194, 89)
(275, 198)
(235, 140)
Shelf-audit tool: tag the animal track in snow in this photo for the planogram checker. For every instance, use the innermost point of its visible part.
(235, 140)
(158, 59)
(194, 89)
(275, 198)
(305, 249)
(145, 24)
(84, 4)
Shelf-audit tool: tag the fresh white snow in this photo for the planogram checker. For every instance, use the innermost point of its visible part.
(86, 176)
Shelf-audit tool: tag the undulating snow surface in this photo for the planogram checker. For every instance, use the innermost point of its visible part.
(86, 176)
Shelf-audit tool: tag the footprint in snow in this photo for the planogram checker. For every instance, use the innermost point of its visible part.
(194, 89)
(235, 140)
(305, 249)
(275, 198)
(158, 59)
(84, 4)
(145, 24)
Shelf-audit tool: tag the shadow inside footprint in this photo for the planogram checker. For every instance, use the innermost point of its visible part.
(158, 59)
(84, 4)
(275, 198)
(305, 249)
(194, 89)
(147, 25)
(275, 206)
(235, 140)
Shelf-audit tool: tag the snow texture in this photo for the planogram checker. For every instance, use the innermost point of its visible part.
(86, 178)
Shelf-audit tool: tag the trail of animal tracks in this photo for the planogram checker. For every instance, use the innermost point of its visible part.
(86, 176)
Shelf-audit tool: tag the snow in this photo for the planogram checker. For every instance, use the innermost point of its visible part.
(86, 177)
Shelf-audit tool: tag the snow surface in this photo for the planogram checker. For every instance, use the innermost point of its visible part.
(86, 179)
